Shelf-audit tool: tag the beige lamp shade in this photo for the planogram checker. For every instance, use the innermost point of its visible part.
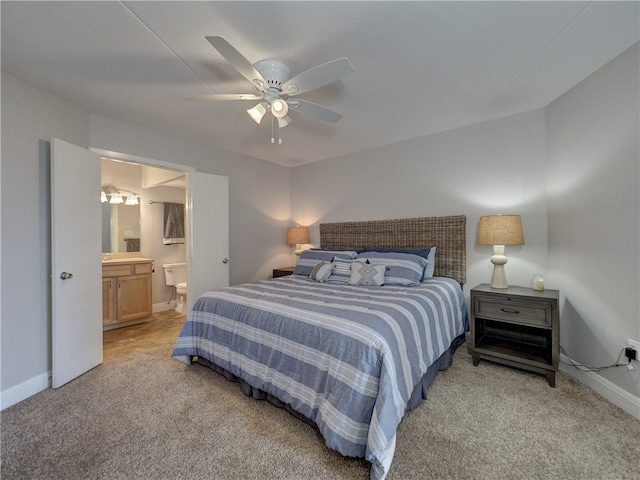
(500, 230)
(297, 236)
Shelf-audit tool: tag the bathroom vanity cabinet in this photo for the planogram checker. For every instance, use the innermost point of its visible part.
(126, 292)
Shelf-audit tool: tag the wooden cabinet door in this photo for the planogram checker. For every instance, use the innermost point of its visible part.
(134, 297)
(109, 315)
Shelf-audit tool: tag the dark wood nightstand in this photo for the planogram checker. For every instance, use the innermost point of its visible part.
(516, 326)
(283, 271)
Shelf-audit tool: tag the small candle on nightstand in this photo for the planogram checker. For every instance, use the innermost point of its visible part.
(538, 283)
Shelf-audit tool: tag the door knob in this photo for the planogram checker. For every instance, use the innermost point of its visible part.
(66, 275)
(225, 260)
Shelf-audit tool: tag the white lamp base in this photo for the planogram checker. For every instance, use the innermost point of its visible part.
(298, 249)
(499, 278)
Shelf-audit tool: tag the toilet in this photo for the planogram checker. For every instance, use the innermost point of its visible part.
(175, 275)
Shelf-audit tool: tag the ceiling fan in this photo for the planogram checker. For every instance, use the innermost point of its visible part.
(276, 85)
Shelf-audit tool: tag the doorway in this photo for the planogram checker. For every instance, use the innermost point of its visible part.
(76, 325)
(138, 229)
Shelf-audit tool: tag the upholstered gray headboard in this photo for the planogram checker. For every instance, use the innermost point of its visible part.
(448, 234)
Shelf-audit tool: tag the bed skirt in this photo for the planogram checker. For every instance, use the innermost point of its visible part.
(419, 392)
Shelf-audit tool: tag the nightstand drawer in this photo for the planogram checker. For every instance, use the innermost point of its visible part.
(513, 310)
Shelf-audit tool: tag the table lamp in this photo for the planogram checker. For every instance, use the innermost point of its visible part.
(500, 230)
(297, 236)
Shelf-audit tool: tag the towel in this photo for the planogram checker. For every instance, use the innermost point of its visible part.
(173, 226)
(133, 244)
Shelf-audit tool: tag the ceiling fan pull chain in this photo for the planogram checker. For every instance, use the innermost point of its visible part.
(273, 140)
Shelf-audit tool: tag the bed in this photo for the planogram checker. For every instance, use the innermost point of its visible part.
(348, 347)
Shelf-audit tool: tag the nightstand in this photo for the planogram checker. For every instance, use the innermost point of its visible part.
(516, 326)
(283, 272)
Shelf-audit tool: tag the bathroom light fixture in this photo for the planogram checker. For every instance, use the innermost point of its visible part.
(132, 200)
(297, 236)
(500, 230)
(116, 198)
(113, 195)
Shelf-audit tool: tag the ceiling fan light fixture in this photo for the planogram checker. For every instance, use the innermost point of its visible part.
(258, 112)
(279, 108)
(284, 121)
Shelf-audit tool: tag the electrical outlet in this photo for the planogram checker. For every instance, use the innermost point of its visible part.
(636, 345)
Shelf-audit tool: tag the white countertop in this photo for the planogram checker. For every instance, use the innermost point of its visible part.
(117, 261)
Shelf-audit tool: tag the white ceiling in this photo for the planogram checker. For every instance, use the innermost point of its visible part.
(420, 67)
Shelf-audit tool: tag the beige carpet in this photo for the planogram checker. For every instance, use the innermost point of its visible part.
(147, 416)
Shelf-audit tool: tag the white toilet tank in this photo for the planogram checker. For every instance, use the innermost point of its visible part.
(175, 273)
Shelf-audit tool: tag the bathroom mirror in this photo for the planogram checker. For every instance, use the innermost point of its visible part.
(120, 228)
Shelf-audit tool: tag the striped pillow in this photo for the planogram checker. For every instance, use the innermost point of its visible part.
(321, 272)
(341, 272)
(403, 268)
(310, 258)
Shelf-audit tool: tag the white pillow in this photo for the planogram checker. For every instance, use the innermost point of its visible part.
(367, 274)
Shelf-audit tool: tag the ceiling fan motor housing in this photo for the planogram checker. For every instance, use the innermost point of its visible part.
(274, 72)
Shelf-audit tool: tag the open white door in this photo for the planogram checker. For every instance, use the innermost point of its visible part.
(209, 234)
(75, 261)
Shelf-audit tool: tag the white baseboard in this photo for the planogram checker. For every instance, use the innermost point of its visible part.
(616, 395)
(24, 390)
(30, 387)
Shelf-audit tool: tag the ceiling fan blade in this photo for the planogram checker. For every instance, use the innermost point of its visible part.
(318, 76)
(314, 110)
(237, 60)
(225, 96)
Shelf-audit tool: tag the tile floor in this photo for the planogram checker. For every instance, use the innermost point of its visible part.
(164, 327)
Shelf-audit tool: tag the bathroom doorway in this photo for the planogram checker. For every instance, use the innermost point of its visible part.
(156, 184)
(75, 303)
(138, 229)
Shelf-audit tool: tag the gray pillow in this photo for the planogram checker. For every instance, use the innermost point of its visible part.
(310, 258)
(403, 268)
(367, 274)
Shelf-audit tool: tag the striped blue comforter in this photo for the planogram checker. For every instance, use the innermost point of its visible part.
(347, 357)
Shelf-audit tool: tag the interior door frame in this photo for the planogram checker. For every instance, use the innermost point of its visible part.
(151, 162)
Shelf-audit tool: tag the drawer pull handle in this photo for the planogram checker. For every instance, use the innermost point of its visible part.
(510, 310)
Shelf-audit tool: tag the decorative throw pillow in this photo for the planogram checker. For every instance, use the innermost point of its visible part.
(321, 272)
(310, 258)
(367, 274)
(429, 253)
(403, 268)
(341, 272)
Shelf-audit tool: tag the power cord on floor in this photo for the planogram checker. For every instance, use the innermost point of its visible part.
(584, 368)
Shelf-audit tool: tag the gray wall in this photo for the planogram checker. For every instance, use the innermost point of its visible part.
(593, 191)
(258, 204)
(29, 118)
(488, 168)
